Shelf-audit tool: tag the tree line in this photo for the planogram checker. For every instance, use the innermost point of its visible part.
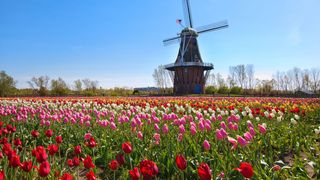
(44, 86)
(241, 80)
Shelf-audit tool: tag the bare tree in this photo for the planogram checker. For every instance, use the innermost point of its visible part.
(220, 81)
(315, 79)
(298, 78)
(240, 71)
(89, 84)
(161, 77)
(306, 79)
(277, 78)
(230, 81)
(250, 75)
(232, 77)
(211, 81)
(40, 84)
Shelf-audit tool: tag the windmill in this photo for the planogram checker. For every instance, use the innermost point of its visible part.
(189, 73)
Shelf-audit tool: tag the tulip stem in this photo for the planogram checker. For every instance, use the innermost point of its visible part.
(130, 162)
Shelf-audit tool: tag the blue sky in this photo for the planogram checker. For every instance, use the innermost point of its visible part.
(119, 42)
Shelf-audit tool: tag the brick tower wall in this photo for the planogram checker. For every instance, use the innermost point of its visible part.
(189, 80)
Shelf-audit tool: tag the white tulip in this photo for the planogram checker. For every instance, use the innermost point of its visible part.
(294, 122)
(279, 119)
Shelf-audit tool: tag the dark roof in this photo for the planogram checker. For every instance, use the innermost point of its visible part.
(305, 92)
(146, 89)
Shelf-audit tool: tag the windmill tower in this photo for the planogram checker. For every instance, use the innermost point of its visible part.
(189, 73)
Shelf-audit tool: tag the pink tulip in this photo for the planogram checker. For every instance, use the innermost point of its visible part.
(193, 130)
(113, 126)
(247, 136)
(241, 141)
(165, 129)
(156, 127)
(206, 145)
(233, 142)
(140, 135)
(252, 132)
(249, 123)
(262, 129)
(201, 126)
(223, 125)
(87, 136)
(156, 137)
(235, 127)
(218, 135)
(181, 129)
(223, 133)
(180, 137)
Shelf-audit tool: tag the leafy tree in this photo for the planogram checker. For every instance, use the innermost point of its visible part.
(223, 90)
(78, 86)
(236, 90)
(40, 84)
(59, 87)
(7, 84)
(210, 90)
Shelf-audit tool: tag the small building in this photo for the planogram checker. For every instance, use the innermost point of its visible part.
(305, 94)
(146, 90)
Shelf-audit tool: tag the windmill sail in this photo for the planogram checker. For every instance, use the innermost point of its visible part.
(187, 13)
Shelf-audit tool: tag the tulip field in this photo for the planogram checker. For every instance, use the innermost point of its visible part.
(159, 138)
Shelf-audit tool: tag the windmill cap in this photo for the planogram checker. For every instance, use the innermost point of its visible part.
(189, 31)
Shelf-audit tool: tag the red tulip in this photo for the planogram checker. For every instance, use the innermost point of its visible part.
(148, 169)
(11, 128)
(181, 162)
(26, 166)
(134, 174)
(53, 149)
(90, 176)
(77, 150)
(35, 133)
(59, 139)
(92, 143)
(40, 154)
(204, 171)
(44, 169)
(57, 173)
(70, 162)
(126, 147)
(76, 161)
(245, 169)
(113, 165)
(276, 167)
(2, 175)
(4, 140)
(66, 176)
(14, 161)
(6, 148)
(17, 142)
(49, 133)
(120, 159)
(87, 162)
